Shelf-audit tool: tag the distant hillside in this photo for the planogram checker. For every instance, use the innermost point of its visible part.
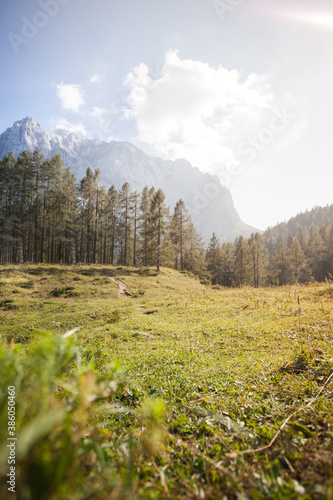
(315, 219)
(210, 204)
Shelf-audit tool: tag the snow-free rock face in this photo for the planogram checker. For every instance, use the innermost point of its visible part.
(208, 201)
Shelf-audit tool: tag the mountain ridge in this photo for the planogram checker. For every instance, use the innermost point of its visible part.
(209, 203)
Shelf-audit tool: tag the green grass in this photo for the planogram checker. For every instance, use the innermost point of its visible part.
(229, 365)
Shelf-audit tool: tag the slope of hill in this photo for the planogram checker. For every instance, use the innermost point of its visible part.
(176, 387)
(209, 202)
(316, 218)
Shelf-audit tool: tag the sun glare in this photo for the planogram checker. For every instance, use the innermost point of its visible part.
(318, 19)
(299, 16)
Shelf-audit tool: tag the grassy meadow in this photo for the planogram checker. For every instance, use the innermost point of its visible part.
(174, 392)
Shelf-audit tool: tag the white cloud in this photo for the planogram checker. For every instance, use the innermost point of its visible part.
(71, 96)
(96, 78)
(196, 111)
(97, 112)
(63, 124)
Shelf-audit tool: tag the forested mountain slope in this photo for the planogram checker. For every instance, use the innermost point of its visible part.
(302, 223)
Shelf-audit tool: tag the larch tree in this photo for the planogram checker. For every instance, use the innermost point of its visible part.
(136, 214)
(125, 219)
(259, 259)
(110, 225)
(214, 260)
(159, 220)
(227, 265)
(282, 265)
(181, 233)
(242, 262)
(317, 256)
(144, 224)
(297, 258)
(89, 197)
(194, 257)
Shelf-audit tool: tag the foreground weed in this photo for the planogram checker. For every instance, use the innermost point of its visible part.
(61, 450)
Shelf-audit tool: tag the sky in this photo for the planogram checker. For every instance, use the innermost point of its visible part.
(240, 88)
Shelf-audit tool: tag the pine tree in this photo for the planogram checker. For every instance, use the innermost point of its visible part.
(68, 191)
(26, 175)
(227, 265)
(317, 256)
(194, 257)
(159, 219)
(259, 259)
(329, 249)
(37, 161)
(301, 238)
(282, 265)
(181, 233)
(242, 262)
(135, 209)
(144, 224)
(50, 176)
(62, 216)
(213, 259)
(110, 225)
(125, 219)
(89, 194)
(297, 258)
(7, 207)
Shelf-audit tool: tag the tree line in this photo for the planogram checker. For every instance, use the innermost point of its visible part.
(46, 216)
(308, 256)
(300, 225)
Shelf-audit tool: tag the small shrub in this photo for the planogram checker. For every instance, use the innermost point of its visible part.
(189, 274)
(7, 304)
(63, 292)
(137, 294)
(28, 285)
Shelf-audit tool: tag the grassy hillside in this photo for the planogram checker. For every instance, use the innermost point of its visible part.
(201, 376)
